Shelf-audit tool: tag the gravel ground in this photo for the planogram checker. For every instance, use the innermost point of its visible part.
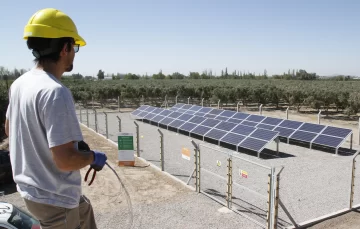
(313, 183)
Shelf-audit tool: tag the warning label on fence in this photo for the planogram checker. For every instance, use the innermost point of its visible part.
(243, 173)
(185, 152)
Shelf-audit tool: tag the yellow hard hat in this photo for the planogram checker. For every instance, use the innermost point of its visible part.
(52, 23)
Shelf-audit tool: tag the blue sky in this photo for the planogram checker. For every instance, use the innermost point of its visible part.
(321, 36)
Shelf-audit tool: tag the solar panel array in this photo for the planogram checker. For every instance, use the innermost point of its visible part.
(221, 131)
(244, 130)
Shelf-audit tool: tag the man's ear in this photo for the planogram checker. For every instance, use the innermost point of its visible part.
(65, 49)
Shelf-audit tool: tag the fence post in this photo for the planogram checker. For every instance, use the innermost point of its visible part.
(202, 104)
(287, 113)
(96, 123)
(353, 179)
(277, 199)
(219, 104)
(119, 120)
(359, 133)
(271, 196)
(137, 140)
(119, 103)
(92, 103)
(189, 100)
(176, 99)
(260, 109)
(319, 117)
(237, 107)
(229, 184)
(106, 125)
(161, 150)
(80, 115)
(197, 166)
(87, 117)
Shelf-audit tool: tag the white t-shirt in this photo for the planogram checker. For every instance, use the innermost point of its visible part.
(42, 115)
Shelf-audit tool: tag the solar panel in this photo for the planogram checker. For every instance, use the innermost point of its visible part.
(247, 123)
(265, 126)
(290, 124)
(143, 107)
(150, 109)
(227, 126)
(243, 130)
(337, 132)
(200, 130)
(210, 116)
(189, 112)
(227, 113)
(178, 105)
(315, 128)
(135, 112)
(188, 126)
(176, 123)
(272, 121)
(221, 118)
(210, 122)
(328, 141)
(166, 121)
(232, 138)
(284, 132)
(240, 115)
(234, 120)
(186, 106)
(265, 135)
(157, 118)
(185, 117)
(253, 144)
(175, 114)
(149, 116)
(255, 118)
(215, 134)
(303, 136)
(165, 112)
(195, 108)
(215, 111)
(205, 109)
(142, 114)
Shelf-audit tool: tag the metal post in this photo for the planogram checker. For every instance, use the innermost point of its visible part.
(219, 104)
(161, 150)
(351, 141)
(271, 191)
(237, 107)
(87, 117)
(277, 146)
(359, 133)
(106, 125)
(119, 120)
(96, 123)
(260, 109)
(119, 103)
(189, 100)
(80, 115)
(143, 99)
(92, 102)
(202, 104)
(319, 117)
(176, 99)
(268, 204)
(166, 101)
(196, 151)
(353, 179)
(229, 184)
(287, 113)
(137, 140)
(276, 210)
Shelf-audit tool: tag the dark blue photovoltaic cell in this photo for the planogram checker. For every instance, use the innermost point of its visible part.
(271, 121)
(195, 108)
(284, 132)
(265, 126)
(215, 134)
(242, 129)
(176, 123)
(262, 134)
(174, 114)
(227, 126)
(189, 112)
(149, 116)
(173, 109)
(181, 110)
(200, 130)
(186, 106)
(165, 112)
(150, 109)
(234, 120)
(200, 114)
(142, 114)
(253, 144)
(157, 118)
(166, 121)
(328, 141)
(205, 109)
(197, 119)
(157, 111)
(240, 115)
(221, 118)
(188, 126)
(143, 107)
(255, 118)
(135, 112)
(210, 116)
(227, 113)
(303, 136)
(185, 117)
(178, 105)
(316, 128)
(232, 138)
(215, 111)
(210, 122)
(290, 124)
(337, 132)
(249, 123)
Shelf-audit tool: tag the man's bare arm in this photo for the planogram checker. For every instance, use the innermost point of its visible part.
(7, 126)
(67, 158)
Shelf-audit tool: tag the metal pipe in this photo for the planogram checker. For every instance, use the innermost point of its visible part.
(137, 140)
(96, 123)
(260, 109)
(87, 117)
(161, 150)
(119, 103)
(176, 99)
(353, 179)
(287, 113)
(319, 117)
(237, 107)
(119, 121)
(106, 126)
(165, 101)
(202, 104)
(189, 100)
(219, 104)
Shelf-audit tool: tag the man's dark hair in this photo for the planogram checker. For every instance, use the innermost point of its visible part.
(48, 49)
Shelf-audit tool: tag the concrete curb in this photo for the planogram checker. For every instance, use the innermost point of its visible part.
(143, 160)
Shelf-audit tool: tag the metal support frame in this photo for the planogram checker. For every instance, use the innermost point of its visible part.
(271, 197)
(87, 117)
(80, 114)
(353, 179)
(319, 114)
(202, 104)
(119, 121)
(260, 109)
(229, 183)
(106, 125)
(219, 104)
(137, 140)
(237, 107)
(287, 112)
(96, 121)
(351, 141)
(277, 140)
(197, 166)
(162, 161)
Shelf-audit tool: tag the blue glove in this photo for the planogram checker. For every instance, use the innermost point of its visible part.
(99, 160)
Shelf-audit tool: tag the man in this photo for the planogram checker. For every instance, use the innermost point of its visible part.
(44, 131)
